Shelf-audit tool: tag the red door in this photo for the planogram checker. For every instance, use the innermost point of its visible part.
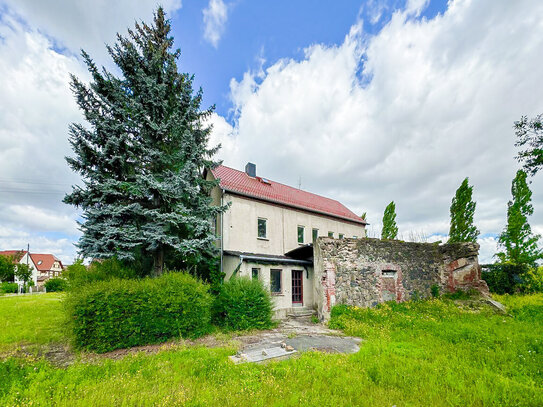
(297, 287)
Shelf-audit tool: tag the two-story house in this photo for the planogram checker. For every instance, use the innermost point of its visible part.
(43, 266)
(268, 230)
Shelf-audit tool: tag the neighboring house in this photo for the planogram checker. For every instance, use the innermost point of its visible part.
(48, 266)
(22, 257)
(44, 266)
(268, 230)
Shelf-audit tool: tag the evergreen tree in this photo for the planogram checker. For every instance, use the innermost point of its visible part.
(390, 230)
(520, 244)
(143, 156)
(462, 210)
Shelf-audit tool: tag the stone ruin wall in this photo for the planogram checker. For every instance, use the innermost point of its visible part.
(366, 272)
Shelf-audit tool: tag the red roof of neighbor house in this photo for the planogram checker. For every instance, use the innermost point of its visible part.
(236, 181)
(44, 262)
(9, 253)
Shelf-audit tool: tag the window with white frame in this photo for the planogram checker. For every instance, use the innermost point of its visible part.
(262, 228)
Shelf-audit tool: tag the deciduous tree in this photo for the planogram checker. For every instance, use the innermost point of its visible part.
(390, 230)
(462, 210)
(530, 136)
(519, 243)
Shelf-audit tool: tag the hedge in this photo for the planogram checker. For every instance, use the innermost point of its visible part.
(108, 315)
(56, 284)
(242, 304)
(6, 287)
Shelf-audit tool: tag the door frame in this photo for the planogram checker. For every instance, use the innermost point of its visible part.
(301, 274)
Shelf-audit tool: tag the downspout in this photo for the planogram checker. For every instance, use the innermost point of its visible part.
(222, 229)
(241, 258)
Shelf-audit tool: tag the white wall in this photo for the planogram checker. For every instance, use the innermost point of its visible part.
(240, 224)
(32, 266)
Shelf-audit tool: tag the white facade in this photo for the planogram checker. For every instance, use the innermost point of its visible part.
(254, 235)
(27, 259)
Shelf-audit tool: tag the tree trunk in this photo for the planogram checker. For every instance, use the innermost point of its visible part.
(158, 261)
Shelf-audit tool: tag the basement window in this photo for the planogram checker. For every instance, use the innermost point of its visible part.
(341, 235)
(255, 273)
(262, 228)
(388, 273)
(276, 285)
(330, 234)
(315, 234)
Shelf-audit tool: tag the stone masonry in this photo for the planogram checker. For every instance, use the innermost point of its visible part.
(365, 272)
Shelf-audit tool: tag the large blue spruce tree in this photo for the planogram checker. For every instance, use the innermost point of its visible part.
(143, 153)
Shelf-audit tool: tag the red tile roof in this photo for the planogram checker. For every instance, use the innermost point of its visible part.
(239, 182)
(44, 262)
(17, 254)
(47, 260)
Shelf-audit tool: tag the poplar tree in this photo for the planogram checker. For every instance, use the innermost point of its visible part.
(519, 243)
(462, 210)
(143, 153)
(390, 230)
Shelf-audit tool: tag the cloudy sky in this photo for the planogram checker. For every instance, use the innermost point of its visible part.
(363, 101)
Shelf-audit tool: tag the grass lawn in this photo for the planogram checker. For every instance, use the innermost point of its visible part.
(30, 320)
(429, 353)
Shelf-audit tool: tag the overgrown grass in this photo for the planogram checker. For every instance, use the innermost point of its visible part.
(414, 354)
(31, 319)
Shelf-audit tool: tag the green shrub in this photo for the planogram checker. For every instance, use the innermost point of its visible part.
(118, 313)
(243, 303)
(56, 284)
(78, 274)
(434, 290)
(503, 278)
(9, 288)
(532, 281)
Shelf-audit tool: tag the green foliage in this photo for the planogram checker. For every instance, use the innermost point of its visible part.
(143, 153)
(462, 211)
(434, 289)
(78, 274)
(107, 315)
(390, 230)
(503, 278)
(520, 244)
(23, 272)
(429, 353)
(530, 135)
(56, 284)
(242, 304)
(9, 288)
(532, 281)
(7, 268)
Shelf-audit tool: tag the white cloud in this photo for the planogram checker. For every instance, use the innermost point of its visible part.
(87, 24)
(215, 16)
(404, 115)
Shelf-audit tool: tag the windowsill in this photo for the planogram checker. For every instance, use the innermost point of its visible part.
(263, 238)
(277, 294)
(301, 244)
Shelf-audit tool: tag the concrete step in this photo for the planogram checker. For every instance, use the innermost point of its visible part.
(301, 312)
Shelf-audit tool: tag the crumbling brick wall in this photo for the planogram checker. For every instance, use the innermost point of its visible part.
(365, 272)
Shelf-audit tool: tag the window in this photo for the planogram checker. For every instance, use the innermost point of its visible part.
(315, 234)
(300, 234)
(255, 273)
(388, 273)
(341, 235)
(276, 285)
(355, 237)
(261, 228)
(330, 234)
